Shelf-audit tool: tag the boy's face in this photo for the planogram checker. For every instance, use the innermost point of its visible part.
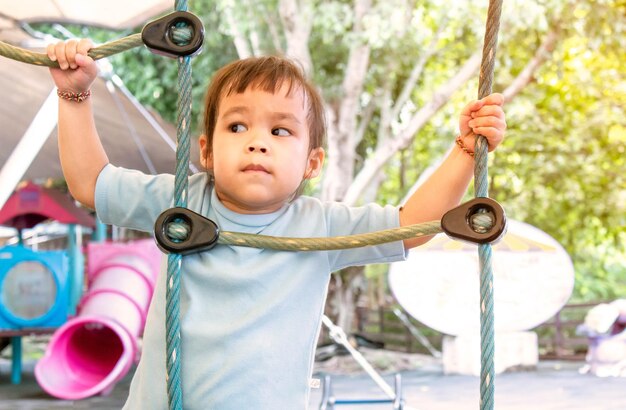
(260, 149)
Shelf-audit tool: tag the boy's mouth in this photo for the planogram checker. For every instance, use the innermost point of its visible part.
(255, 168)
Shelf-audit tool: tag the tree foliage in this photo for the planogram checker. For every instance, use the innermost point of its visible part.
(395, 74)
(562, 167)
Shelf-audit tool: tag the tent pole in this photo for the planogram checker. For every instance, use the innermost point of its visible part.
(29, 146)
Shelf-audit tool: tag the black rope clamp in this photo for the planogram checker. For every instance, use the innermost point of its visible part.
(460, 222)
(158, 35)
(197, 233)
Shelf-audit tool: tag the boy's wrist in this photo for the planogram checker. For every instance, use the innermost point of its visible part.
(461, 144)
(73, 96)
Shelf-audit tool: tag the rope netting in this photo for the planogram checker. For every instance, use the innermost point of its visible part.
(173, 336)
(481, 189)
(97, 53)
(174, 261)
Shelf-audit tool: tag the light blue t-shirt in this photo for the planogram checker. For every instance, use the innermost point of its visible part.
(250, 318)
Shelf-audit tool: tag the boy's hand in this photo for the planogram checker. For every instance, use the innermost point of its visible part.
(77, 70)
(483, 117)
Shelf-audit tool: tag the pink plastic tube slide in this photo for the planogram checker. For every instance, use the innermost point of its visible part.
(91, 352)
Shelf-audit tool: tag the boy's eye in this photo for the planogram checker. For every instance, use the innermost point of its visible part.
(281, 132)
(237, 128)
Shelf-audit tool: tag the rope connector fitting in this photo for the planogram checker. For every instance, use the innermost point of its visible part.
(182, 231)
(480, 220)
(159, 35)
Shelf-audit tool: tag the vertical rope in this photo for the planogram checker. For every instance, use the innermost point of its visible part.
(487, 333)
(174, 389)
(172, 295)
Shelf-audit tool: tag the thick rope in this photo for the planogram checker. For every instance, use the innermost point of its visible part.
(172, 295)
(178, 231)
(105, 50)
(329, 243)
(481, 185)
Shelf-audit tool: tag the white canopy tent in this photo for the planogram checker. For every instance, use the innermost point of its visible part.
(114, 14)
(133, 136)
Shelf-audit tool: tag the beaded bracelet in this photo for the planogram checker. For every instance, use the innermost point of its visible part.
(460, 143)
(72, 96)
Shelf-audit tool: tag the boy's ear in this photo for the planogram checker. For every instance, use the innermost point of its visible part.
(315, 163)
(206, 159)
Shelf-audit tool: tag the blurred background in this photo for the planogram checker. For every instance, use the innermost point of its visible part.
(394, 76)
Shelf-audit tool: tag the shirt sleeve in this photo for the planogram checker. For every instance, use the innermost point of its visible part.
(345, 220)
(132, 199)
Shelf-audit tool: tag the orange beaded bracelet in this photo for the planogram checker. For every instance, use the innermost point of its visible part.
(72, 96)
(460, 143)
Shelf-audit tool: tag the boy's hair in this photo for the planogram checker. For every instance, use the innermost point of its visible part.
(267, 73)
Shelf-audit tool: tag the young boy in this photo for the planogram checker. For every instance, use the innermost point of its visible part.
(250, 318)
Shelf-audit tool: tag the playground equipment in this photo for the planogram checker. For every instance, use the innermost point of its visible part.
(40, 289)
(34, 288)
(329, 401)
(93, 351)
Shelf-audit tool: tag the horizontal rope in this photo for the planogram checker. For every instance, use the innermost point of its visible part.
(329, 243)
(42, 59)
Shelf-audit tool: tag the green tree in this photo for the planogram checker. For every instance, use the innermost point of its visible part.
(563, 168)
(395, 74)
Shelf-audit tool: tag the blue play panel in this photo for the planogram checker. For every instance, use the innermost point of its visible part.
(34, 288)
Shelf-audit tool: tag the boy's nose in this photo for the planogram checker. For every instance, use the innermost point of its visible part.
(256, 147)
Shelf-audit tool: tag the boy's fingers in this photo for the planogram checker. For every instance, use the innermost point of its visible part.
(70, 52)
(488, 122)
(51, 53)
(485, 131)
(477, 105)
(86, 63)
(59, 52)
(489, 111)
(80, 59)
(494, 135)
(84, 46)
(492, 99)
(471, 107)
(495, 99)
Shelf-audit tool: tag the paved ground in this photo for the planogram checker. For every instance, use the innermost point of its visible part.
(553, 386)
